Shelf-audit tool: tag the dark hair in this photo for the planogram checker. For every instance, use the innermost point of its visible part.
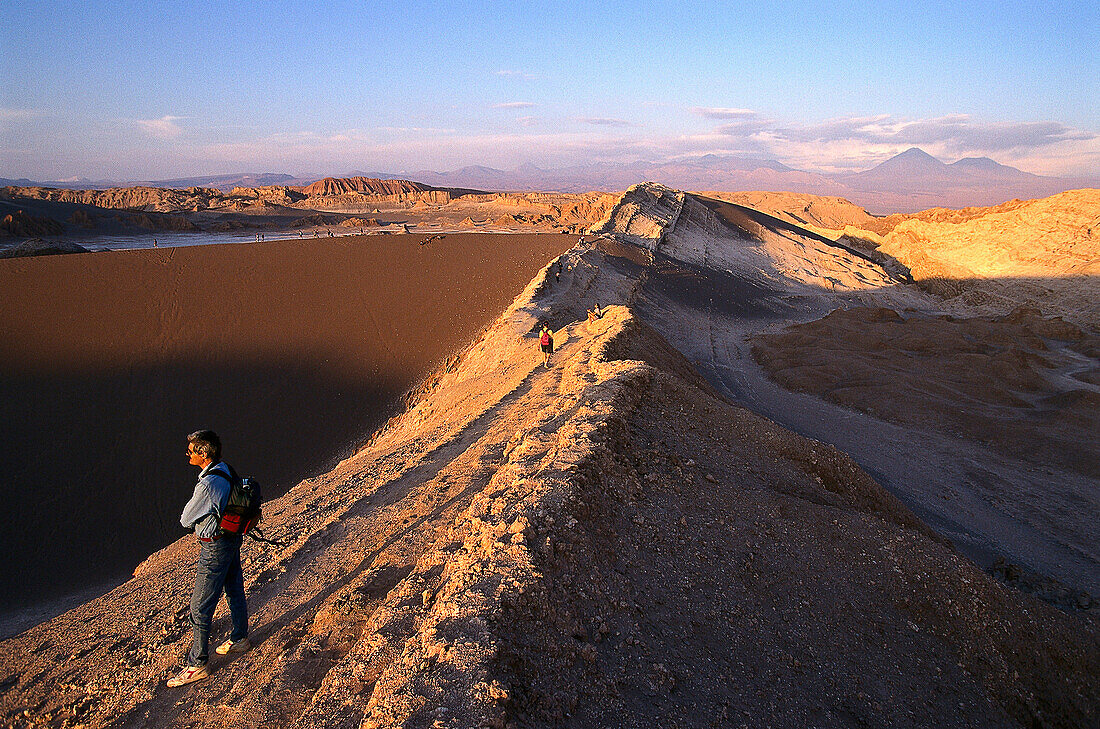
(206, 443)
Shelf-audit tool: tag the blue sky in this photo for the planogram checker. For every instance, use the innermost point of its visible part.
(154, 90)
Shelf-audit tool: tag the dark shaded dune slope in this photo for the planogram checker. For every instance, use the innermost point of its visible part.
(294, 351)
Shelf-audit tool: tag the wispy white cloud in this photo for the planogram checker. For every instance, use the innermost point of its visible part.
(848, 143)
(834, 145)
(710, 112)
(512, 73)
(163, 128)
(825, 148)
(515, 105)
(407, 130)
(604, 122)
(15, 115)
(956, 132)
(424, 150)
(1072, 158)
(744, 127)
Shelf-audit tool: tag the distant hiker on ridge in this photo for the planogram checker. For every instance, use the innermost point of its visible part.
(219, 567)
(594, 313)
(546, 343)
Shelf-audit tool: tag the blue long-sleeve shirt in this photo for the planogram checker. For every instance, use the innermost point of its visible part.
(204, 510)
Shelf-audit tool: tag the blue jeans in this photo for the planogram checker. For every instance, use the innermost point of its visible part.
(219, 570)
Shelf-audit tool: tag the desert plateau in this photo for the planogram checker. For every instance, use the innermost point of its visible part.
(808, 466)
(326, 208)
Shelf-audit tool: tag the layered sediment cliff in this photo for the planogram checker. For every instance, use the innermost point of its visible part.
(131, 198)
(393, 204)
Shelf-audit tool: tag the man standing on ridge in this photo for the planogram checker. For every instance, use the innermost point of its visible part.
(219, 567)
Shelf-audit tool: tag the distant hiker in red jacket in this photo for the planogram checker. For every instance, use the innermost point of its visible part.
(546, 344)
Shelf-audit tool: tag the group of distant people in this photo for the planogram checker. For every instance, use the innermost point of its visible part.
(546, 335)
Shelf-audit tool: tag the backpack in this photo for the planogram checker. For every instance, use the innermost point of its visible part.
(544, 339)
(242, 508)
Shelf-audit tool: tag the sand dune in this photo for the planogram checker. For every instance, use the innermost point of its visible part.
(295, 351)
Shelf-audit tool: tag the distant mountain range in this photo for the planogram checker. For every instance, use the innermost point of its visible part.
(911, 181)
(915, 180)
(711, 172)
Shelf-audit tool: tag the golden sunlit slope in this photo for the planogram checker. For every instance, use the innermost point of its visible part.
(1044, 253)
